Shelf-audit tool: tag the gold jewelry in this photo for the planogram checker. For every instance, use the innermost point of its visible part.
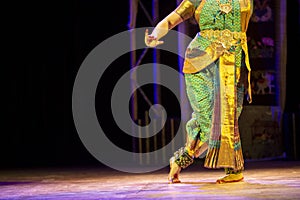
(225, 7)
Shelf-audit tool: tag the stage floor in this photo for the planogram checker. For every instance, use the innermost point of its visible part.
(263, 180)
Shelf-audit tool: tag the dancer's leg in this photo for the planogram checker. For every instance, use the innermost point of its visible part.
(200, 92)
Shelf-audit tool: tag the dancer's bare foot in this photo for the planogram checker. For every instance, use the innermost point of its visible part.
(173, 176)
(230, 178)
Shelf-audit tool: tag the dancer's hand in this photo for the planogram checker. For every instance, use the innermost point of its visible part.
(151, 41)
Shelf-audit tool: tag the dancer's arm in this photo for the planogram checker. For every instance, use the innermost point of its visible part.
(183, 11)
(161, 29)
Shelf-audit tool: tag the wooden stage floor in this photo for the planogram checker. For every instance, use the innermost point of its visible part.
(263, 180)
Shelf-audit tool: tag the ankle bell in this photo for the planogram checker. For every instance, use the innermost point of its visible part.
(232, 171)
(182, 158)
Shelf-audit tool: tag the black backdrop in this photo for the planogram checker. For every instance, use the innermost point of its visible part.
(44, 45)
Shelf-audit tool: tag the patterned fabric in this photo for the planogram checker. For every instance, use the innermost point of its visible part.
(182, 158)
(214, 74)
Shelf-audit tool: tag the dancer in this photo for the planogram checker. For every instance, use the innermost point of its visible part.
(215, 68)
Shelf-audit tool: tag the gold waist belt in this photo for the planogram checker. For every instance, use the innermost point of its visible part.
(225, 37)
(223, 40)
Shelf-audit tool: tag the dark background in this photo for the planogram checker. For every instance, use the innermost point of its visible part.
(45, 43)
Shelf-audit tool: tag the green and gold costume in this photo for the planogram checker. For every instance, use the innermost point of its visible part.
(216, 67)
